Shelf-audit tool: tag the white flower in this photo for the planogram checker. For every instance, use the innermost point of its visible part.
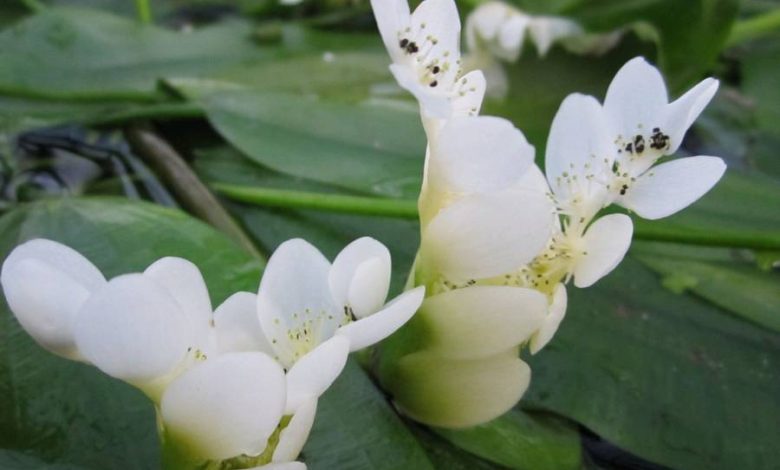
(220, 393)
(547, 30)
(500, 29)
(644, 126)
(579, 162)
(305, 304)
(477, 220)
(425, 49)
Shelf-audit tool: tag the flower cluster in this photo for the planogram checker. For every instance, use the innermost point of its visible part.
(237, 385)
(500, 239)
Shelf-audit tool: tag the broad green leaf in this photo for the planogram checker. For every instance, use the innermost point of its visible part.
(367, 148)
(68, 413)
(99, 55)
(356, 429)
(447, 456)
(522, 440)
(739, 287)
(347, 75)
(668, 377)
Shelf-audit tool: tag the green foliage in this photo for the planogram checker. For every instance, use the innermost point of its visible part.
(366, 148)
(689, 34)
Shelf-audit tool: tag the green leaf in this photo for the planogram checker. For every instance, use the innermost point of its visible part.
(365, 148)
(357, 429)
(65, 412)
(97, 55)
(760, 63)
(652, 371)
(445, 455)
(739, 287)
(335, 73)
(522, 440)
(690, 34)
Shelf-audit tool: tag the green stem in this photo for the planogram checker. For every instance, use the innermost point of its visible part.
(665, 232)
(360, 205)
(405, 209)
(144, 11)
(187, 187)
(753, 28)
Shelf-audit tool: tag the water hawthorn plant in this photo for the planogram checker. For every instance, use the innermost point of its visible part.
(236, 387)
(500, 239)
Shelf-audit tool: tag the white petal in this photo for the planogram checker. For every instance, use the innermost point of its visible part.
(133, 329)
(294, 286)
(225, 406)
(481, 321)
(605, 243)
(479, 154)
(555, 314)
(392, 16)
(432, 103)
(459, 393)
(369, 287)
(533, 180)
(511, 35)
(238, 327)
(545, 31)
(378, 326)
(672, 186)
(360, 276)
(636, 98)
(579, 145)
(315, 372)
(467, 99)
(437, 24)
(183, 280)
(45, 284)
(486, 235)
(681, 113)
(483, 24)
(293, 437)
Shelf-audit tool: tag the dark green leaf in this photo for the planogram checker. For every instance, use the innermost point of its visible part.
(522, 440)
(366, 148)
(98, 55)
(739, 287)
(665, 376)
(356, 429)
